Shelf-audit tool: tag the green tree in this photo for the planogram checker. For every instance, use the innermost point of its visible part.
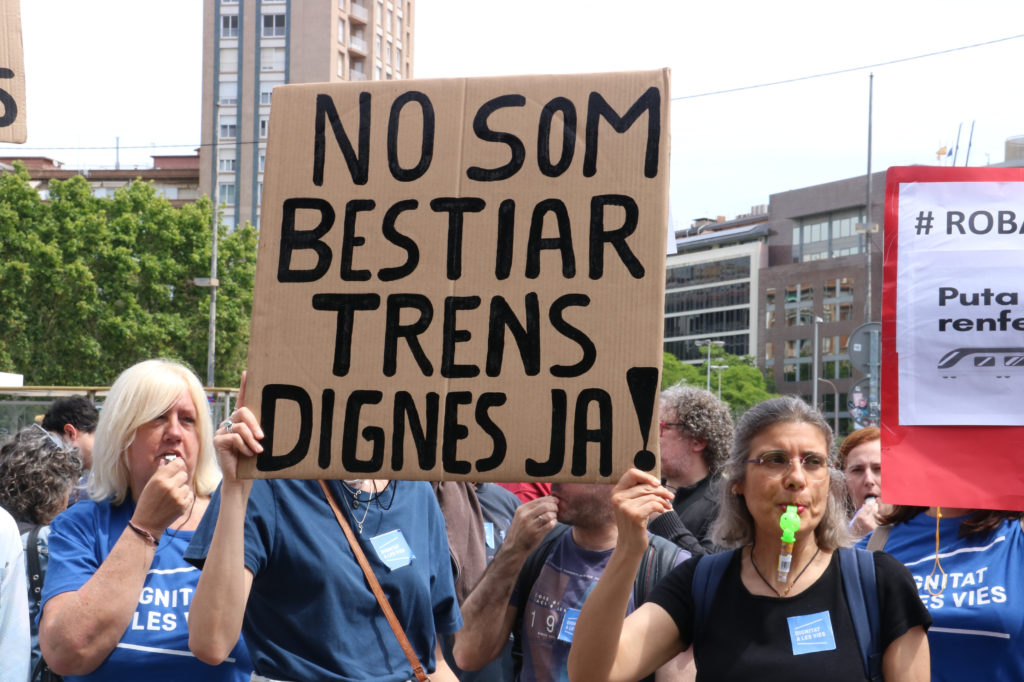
(743, 384)
(89, 285)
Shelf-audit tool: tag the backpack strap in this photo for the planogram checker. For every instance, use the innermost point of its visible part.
(861, 588)
(658, 560)
(707, 575)
(35, 573)
(527, 577)
(876, 543)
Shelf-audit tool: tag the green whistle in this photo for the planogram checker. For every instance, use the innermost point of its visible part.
(789, 522)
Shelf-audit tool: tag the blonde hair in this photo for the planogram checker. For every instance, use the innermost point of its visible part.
(140, 394)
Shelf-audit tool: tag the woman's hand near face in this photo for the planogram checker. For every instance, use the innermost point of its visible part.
(166, 496)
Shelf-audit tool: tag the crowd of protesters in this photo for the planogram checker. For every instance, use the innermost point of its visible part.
(130, 549)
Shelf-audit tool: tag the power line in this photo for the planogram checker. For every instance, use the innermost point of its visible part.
(849, 70)
(674, 99)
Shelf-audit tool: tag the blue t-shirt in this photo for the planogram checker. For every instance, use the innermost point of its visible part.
(978, 606)
(155, 645)
(310, 614)
(568, 576)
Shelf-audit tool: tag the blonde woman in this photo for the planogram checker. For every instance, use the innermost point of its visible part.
(117, 590)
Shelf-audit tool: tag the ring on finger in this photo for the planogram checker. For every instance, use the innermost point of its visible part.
(227, 424)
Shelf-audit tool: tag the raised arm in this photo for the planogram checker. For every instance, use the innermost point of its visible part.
(79, 629)
(218, 606)
(487, 614)
(604, 647)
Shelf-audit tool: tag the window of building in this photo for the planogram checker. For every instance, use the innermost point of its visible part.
(273, 26)
(837, 301)
(387, 53)
(708, 323)
(272, 59)
(835, 359)
(799, 305)
(705, 273)
(229, 2)
(229, 26)
(226, 165)
(228, 93)
(390, 21)
(228, 126)
(267, 91)
(264, 123)
(228, 59)
(378, 73)
(341, 65)
(828, 236)
(769, 353)
(263, 162)
(398, 26)
(707, 297)
(226, 192)
(398, 58)
(380, 12)
(341, 30)
(380, 49)
(769, 308)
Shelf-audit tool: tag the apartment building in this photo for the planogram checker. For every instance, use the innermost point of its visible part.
(252, 46)
(768, 284)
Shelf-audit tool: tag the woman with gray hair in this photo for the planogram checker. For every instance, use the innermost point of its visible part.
(37, 474)
(118, 590)
(782, 508)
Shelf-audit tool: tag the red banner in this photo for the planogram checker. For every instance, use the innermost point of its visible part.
(953, 433)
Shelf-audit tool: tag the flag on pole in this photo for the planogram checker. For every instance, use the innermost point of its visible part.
(944, 151)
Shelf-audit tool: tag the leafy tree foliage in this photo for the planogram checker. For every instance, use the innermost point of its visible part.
(89, 286)
(743, 384)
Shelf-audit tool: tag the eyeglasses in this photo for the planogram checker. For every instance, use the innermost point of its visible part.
(777, 463)
(661, 432)
(53, 439)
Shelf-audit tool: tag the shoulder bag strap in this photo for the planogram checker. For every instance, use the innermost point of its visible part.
(382, 599)
(876, 543)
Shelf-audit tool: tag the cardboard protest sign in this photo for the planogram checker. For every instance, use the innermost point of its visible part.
(953, 338)
(12, 74)
(462, 279)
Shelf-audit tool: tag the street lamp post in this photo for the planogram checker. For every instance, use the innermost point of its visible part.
(708, 342)
(835, 406)
(719, 368)
(814, 369)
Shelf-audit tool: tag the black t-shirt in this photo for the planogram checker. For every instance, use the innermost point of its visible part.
(752, 637)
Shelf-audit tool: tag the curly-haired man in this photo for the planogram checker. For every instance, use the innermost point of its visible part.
(696, 435)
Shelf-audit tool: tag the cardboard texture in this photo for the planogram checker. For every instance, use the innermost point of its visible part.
(12, 75)
(462, 279)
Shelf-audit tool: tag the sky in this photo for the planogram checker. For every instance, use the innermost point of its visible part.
(122, 83)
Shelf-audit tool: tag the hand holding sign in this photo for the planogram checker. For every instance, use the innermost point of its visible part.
(238, 436)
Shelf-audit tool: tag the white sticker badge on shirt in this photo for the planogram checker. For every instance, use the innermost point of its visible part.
(489, 534)
(811, 633)
(392, 549)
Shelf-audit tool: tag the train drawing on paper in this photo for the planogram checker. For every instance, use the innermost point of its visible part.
(1002, 362)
